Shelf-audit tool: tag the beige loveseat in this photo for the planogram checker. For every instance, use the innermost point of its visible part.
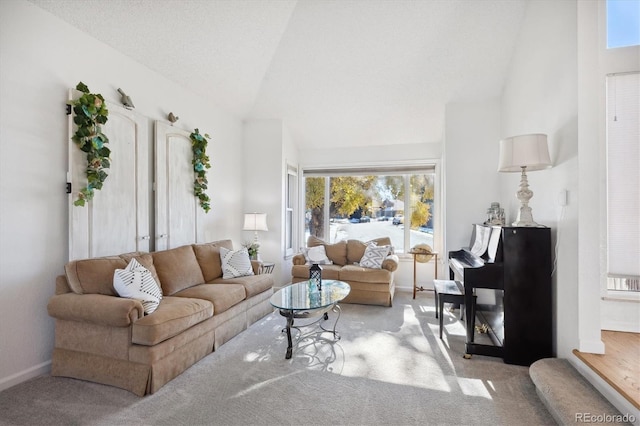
(107, 339)
(368, 286)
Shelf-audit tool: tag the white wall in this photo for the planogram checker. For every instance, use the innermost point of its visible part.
(472, 132)
(41, 57)
(540, 96)
(263, 190)
(371, 154)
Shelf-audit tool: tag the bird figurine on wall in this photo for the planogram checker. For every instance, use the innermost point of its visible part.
(125, 99)
(172, 118)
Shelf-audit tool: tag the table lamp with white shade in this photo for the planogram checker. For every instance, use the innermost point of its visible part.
(521, 154)
(255, 222)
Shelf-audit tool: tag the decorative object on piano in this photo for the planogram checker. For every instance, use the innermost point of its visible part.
(423, 253)
(519, 154)
(495, 215)
(315, 276)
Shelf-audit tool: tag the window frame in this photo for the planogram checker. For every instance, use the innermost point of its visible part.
(616, 236)
(290, 211)
(610, 61)
(609, 43)
(406, 169)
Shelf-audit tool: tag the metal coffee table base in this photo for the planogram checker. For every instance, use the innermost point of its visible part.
(323, 313)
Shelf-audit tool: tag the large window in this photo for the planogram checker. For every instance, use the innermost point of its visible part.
(367, 203)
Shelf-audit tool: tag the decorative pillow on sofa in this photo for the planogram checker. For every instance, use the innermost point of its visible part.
(316, 254)
(137, 282)
(235, 263)
(374, 256)
(336, 252)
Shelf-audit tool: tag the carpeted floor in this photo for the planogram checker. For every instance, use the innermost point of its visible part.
(389, 368)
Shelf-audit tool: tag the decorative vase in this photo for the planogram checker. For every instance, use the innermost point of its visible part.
(315, 275)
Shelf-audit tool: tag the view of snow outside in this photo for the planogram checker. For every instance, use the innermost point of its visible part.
(342, 229)
(365, 207)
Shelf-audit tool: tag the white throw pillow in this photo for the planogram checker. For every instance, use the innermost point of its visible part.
(316, 254)
(137, 282)
(235, 263)
(374, 256)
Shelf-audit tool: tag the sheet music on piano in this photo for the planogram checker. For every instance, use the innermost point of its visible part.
(486, 240)
(494, 241)
(482, 234)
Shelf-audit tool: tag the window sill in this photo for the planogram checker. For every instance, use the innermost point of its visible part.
(622, 296)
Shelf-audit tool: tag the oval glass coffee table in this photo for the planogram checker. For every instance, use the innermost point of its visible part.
(301, 300)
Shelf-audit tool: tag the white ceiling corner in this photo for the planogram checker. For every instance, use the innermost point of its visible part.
(340, 73)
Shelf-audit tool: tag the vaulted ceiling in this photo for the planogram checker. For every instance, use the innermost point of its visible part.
(338, 72)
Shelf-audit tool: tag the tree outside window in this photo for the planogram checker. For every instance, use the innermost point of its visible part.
(369, 206)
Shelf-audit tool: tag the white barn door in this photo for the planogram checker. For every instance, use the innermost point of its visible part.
(176, 207)
(117, 219)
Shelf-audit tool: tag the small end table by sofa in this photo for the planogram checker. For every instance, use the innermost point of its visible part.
(266, 267)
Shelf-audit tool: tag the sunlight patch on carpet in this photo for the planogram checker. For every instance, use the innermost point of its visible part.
(262, 384)
(473, 387)
(403, 363)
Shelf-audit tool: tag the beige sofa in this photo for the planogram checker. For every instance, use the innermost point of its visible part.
(368, 286)
(103, 338)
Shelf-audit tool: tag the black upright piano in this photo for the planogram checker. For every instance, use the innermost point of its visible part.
(508, 270)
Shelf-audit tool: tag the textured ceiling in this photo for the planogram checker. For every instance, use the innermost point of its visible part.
(339, 73)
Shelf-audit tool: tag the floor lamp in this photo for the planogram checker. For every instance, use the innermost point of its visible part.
(521, 154)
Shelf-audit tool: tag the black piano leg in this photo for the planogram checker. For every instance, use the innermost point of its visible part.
(472, 319)
(470, 314)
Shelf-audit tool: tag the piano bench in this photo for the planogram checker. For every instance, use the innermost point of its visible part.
(448, 291)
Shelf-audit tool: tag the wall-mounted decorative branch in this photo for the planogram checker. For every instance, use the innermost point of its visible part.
(90, 113)
(200, 165)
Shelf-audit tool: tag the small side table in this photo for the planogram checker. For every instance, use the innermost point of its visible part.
(266, 268)
(415, 255)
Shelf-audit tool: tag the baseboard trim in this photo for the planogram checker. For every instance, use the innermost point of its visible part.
(627, 327)
(24, 375)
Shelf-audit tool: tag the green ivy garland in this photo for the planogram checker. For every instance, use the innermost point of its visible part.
(200, 165)
(91, 112)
